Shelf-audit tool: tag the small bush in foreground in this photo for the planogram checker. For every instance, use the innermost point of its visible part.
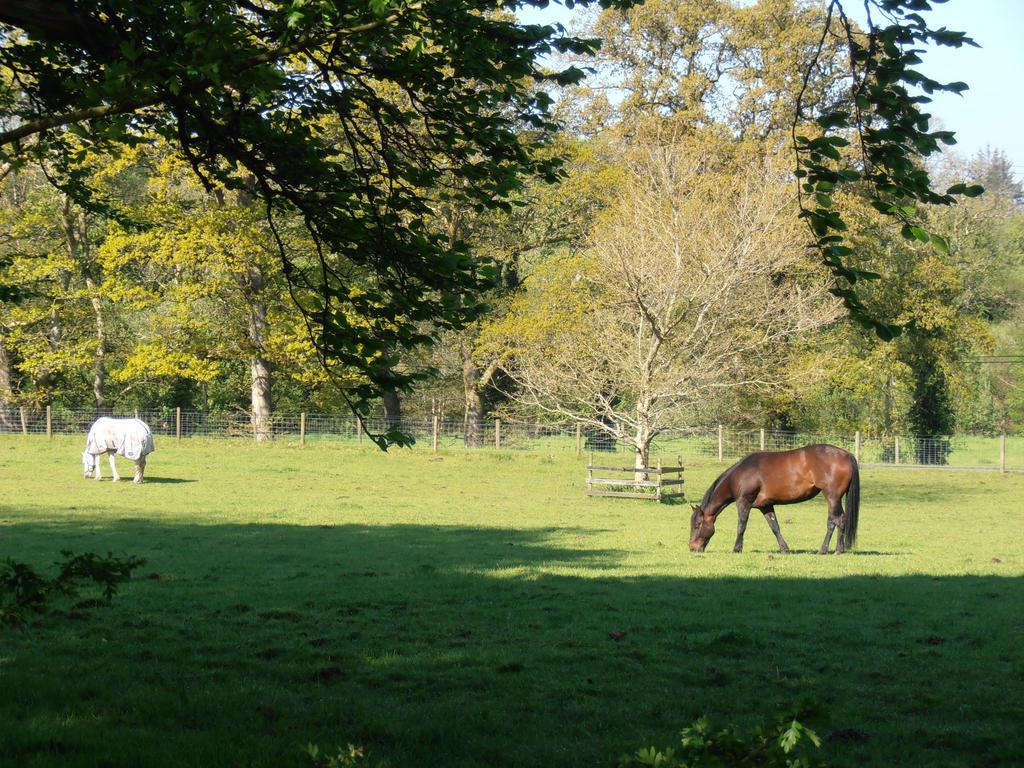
(784, 745)
(23, 591)
(349, 756)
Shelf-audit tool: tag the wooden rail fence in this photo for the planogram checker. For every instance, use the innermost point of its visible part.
(663, 477)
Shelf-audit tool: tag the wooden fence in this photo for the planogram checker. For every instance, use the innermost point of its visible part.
(642, 488)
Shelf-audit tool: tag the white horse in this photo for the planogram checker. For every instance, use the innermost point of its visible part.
(129, 437)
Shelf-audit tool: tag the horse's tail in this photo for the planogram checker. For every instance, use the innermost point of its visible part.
(852, 507)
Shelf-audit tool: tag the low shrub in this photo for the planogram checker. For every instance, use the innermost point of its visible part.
(784, 745)
(23, 591)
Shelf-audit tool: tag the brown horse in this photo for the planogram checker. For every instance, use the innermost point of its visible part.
(765, 479)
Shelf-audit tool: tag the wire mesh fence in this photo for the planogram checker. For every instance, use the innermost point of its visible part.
(724, 444)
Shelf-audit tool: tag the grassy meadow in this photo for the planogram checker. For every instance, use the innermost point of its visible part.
(476, 609)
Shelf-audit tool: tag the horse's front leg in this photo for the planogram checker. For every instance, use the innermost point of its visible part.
(113, 466)
(773, 523)
(743, 508)
(96, 468)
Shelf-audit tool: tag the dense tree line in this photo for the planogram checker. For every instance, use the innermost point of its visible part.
(181, 245)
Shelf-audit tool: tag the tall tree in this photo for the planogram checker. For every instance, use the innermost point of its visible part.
(694, 284)
(697, 63)
(55, 326)
(542, 219)
(75, 223)
(940, 298)
(217, 276)
(882, 121)
(420, 89)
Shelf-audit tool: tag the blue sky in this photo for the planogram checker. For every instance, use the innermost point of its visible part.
(991, 113)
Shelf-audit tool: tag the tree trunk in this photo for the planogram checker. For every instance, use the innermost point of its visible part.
(261, 403)
(642, 440)
(887, 419)
(253, 282)
(474, 382)
(54, 334)
(472, 428)
(642, 455)
(392, 403)
(99, 377)
(76, 236)
(5, 383)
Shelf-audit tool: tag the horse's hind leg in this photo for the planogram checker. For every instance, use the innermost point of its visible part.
(113, 467)
(773, 523)
(140, 469)
(743, 507)
(835, 520)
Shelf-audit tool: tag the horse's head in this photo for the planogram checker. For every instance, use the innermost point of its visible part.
(88, 463)
(701, 530)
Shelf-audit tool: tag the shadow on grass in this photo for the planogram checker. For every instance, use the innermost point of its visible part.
(456, 646)
(167, 480)
(793, 552)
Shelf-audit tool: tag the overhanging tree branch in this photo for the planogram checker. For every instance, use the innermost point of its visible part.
(78, 116)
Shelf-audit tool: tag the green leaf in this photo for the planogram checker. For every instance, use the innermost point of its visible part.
(940, 244)
(834, 120)
(920, 234)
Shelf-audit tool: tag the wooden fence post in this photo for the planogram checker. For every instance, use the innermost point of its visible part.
(1002, 453)
(579, 439)
(302, 428)
(762, 439)
(658, 490)
(23, 412)
(136, 413)
(177, 423)
(359, 428)
(497, 433)
(856, 446)
(435, 433)
(590, 473)
(49, 423)
(897, 439)
(720, 444)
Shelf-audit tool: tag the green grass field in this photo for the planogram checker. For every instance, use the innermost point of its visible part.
(475, 608)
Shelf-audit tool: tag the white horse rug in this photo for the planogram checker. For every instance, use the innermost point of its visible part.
(130, 438)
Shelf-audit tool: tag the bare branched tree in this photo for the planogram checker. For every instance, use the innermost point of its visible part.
(697, 280)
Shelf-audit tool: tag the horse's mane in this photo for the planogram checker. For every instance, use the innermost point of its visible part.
(707, 496)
